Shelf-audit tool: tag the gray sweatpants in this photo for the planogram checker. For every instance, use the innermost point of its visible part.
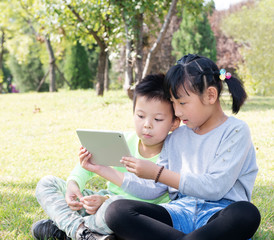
(50, 193)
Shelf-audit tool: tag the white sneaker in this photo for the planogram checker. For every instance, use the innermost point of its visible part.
(83, 233)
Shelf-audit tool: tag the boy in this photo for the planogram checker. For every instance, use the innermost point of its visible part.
(154, 118)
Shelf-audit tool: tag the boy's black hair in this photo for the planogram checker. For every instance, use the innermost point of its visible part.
(152, 87)
(197, 73)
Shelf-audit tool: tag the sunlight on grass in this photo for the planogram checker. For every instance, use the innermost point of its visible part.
(38, 138)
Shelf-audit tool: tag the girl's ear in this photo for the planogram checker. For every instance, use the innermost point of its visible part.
(211, 95)
(176, 124)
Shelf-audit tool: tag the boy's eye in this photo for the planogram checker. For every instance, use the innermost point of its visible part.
(158, 120)
(140, 116)
(182, 103)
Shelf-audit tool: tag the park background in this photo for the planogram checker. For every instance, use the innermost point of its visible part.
(75, 63)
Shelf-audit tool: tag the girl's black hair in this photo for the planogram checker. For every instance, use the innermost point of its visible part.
(197, 73)
(152, 87)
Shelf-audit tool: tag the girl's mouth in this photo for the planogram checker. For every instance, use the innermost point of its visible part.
(185, 121)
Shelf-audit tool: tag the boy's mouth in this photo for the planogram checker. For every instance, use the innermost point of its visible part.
(147, 135)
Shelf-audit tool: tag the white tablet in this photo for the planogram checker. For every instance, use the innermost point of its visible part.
(107, 147)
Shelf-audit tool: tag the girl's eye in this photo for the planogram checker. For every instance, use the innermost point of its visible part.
(158, 120)
(140, 116)
(182, 103)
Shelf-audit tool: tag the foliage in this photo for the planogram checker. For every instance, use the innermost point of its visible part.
(90, 22)
(76, 67)
(38, 143)
(93, 55)
(28, 74)
(252, 29)
(195, 35)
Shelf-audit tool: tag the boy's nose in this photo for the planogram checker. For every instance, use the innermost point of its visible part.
(147, 124)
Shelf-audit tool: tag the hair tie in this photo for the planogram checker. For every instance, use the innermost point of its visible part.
(224, 75)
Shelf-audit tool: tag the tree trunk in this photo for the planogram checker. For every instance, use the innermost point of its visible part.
(42, 81)
(52, 76)
(106, 76)
(102, 55)
(160, 38)
(101, 72)
(128, 64)
(2, 48)
(139, 48)
(1, 60)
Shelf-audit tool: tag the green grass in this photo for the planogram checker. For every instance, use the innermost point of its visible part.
(37, 144)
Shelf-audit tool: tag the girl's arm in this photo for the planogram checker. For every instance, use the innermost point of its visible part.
(149, 170)
(230, 173)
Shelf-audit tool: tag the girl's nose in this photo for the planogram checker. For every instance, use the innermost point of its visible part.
(177, 111)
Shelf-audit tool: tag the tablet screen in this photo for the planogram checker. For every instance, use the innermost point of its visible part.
(107, 147)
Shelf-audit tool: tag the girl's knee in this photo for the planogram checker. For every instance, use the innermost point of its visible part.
(115, 211)
(243, 214)
(251, 213)
(247, 210)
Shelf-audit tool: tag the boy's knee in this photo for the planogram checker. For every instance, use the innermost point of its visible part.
(45, 182)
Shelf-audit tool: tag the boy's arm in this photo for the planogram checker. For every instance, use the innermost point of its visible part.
(106, 172)
(80, 175)
(73, 194)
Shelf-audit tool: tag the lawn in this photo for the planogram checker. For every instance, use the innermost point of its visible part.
(38, 138)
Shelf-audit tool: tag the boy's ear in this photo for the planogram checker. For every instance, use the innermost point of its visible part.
(176, 124)
(211, 95)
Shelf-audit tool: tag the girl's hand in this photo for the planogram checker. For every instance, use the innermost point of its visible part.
(72, 194)
(142, 168)
(86, 160)
(92, 203)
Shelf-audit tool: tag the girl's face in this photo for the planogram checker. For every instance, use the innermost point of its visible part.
(153, 120)
(190, 108)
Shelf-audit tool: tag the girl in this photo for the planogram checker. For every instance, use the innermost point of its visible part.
(208, 166)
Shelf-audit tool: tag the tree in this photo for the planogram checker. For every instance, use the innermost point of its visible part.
(76, 67)
(90, 22)
(27, 74)
(250, 27)
(136, 14)
(23, 19)
(2, 39)
(195, 35)
(157, 43)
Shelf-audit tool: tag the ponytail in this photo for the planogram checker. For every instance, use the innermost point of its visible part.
(237, 92)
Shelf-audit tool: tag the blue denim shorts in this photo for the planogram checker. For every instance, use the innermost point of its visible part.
(190, 213)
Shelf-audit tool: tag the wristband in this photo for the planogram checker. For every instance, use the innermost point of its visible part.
(159, 173)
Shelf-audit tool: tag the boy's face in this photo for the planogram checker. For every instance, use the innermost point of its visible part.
(153, 120)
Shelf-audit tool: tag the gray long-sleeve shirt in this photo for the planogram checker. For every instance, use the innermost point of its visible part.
(219, 164)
